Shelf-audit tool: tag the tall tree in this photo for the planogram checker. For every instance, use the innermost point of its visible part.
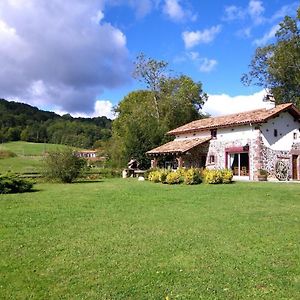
(277, 66)
(145, 116)
(152, 72)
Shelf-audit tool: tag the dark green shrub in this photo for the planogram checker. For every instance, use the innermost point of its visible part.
(63, 165)
(11, 183)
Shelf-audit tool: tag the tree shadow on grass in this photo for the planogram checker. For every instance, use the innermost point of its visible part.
(87, 181)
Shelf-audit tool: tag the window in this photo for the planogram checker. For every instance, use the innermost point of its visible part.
(213, 133)
(275, 133)
(211, 159)
(295, 135)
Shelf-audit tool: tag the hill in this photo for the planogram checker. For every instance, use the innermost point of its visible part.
(19, 121)
(27, 158)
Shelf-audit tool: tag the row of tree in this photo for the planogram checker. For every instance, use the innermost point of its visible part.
(20, 121)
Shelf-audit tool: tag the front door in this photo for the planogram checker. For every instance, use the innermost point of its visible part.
(238, 163)
(295, 167)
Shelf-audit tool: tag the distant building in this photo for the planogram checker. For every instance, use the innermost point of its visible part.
(90, 155)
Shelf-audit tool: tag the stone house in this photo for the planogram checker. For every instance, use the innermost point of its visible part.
(245, 142)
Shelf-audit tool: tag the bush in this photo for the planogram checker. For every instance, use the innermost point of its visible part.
(11, 183)
(217, 176)
(174, 178)
(192, 176)
(227, 176)
(7, 154)
(63, 165)
(154, 176)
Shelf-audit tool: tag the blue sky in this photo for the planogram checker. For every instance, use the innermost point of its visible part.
(76, 56)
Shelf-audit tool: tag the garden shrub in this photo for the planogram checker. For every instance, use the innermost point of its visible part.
(217, 176)
(227, 176)
(174, 178)
(63, 165)
(154, 176)
(192, 176)
(11, 183)
(163, 174)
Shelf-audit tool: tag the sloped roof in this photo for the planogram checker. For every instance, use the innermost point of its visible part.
(180, 146)
(253, 117)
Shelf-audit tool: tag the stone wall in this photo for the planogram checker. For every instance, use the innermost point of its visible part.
(218, 149)
(271, 157)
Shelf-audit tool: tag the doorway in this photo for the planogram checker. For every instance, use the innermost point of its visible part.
(238, 163)
(295, 167)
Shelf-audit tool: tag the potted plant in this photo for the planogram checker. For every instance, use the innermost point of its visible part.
(262, 175)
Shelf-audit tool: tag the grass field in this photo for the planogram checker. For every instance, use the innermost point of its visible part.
(29, 156)
(30, 149)
(124, 239)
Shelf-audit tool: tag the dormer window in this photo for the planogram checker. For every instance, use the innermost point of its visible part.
(275, 133)
(213, 133)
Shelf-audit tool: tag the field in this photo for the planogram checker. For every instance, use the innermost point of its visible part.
(29, 156)
(125, 239)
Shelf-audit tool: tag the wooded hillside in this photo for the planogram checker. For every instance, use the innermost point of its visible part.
(20, 121)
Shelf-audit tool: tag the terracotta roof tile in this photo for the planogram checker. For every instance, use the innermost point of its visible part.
(253, 117)
(180, 146)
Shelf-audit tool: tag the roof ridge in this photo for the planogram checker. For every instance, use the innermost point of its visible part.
(240, 118)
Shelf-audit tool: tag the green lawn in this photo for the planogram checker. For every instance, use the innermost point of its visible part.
(124, 239)
(30, 149)
(29, 156)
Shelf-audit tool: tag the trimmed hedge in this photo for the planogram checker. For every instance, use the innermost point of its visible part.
(11, 183)
(190, 176)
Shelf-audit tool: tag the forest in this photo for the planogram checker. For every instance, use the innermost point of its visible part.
(19, 121)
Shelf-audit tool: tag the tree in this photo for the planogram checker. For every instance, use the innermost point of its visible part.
(63, 165)
(277, 66)
(145, 116)
(152, 72)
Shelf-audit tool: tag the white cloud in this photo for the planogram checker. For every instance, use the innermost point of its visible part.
(223, 104)
(203, 63)
(60, 53)
(101, 108)
(174, 10)
(104, 108)
(267, 36)
(193, 38)
(256, 10)
(207, 65)
(142, 7)
(233, 12)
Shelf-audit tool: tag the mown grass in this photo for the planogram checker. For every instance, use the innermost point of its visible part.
(30, 149)
(29, 156)
(124, 239)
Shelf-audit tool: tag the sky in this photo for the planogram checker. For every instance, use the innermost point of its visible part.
(77, 56)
